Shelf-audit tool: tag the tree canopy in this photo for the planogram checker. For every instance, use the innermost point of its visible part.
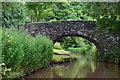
(105, 13)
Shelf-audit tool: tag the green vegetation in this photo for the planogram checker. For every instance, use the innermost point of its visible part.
(57, 45)
(23, 53)
(61, 51)
(67, 47)
(77, 45)
(39, 11)
(20, 13)
(13, 13)
(60, 56)
(105, 13)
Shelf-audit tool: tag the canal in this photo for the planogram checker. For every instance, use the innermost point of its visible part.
(84, 67)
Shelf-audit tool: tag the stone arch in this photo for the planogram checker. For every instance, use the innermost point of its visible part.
(82, 36)
(77, 35)
(104, 41)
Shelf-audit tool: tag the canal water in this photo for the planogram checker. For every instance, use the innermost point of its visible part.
(83, 67)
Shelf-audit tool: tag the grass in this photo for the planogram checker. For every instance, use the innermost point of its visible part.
(60, 58)
(61, 51)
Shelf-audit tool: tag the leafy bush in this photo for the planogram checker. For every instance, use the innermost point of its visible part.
(22, 52)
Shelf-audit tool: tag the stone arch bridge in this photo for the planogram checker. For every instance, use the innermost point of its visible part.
(105, 42)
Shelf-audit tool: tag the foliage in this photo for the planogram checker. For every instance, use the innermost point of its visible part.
(68, 42)
(22, 52)
(77, 50)
(39, 10)
(105, 13)
(49, 11)
(63, 11)
(13, 13)
(78, 45)
(78, 8)
(67, 11)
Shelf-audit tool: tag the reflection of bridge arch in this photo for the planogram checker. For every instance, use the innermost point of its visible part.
(86, 29)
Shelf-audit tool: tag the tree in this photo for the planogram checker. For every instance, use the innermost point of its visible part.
(63, 11)
(13, 13)
(105, 13)
(39, 10)
(68, 11)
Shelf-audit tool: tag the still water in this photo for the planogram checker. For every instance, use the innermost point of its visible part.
(83, 67)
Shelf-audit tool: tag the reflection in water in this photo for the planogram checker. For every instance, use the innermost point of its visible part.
(83, 67)
(77, 69)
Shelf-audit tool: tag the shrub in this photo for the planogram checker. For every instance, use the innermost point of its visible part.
(22, 52)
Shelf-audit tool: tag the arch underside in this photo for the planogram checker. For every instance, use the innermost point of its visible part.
(78, 35)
